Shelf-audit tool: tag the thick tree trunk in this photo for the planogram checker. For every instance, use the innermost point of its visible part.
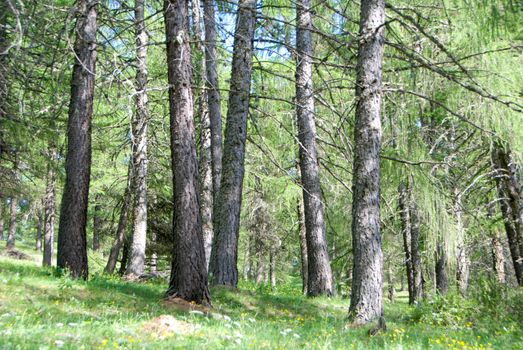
(213, 97)
(205, 151)
(511, 204)
(303, 247)
(11, 235)
(442, 281)
(122, 225)
(97, 223)
(39, 225)
(366, 294)
(224, 255)
(72, 240)
(49, 213)
(319, 270)
(498, 259)
(188, 274)
(136, 262)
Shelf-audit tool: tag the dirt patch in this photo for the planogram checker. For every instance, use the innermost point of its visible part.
(184, 305)
(166, 326)
(17, 254)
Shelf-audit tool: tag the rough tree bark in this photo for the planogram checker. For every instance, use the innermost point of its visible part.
(11, 234)
(205, 151)
(462, 259)
(97, 222)
(511, 204)
(122, 225)
(367, 283)
(442, 281)
(224, 255)
(136, 262)
(188, 274)
(303, 247)
(49, 212)
(72, 240)
(213, 96)
(319, 280)
(498, 259)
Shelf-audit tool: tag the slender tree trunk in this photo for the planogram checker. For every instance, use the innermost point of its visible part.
(366, 294)
(2, 203)
(303, 247)
(3, 75)
(11, 236)
(406, 229)
(136, 263)
(511, 204)
(205, 152)
(188, 274)
(442, 281)
(122, 225)
(272, 268)
(319, 270)
(498, 259)
(213, 97)
(224, 255)
(125, 254)
(72, 240)
(40, 217)
(97, 223)
(391, 282)
(154, 256)
(417, 272)
(49, 212)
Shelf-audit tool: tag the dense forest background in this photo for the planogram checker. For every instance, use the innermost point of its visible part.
(241, 120)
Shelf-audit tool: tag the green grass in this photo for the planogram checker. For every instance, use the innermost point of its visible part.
(39, 310)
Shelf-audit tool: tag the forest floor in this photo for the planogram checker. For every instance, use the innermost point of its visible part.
(40, 310)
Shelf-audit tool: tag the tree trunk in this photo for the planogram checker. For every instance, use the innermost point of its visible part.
(303, 247)
(213, 97)
(391, 282)
(462, 259)
(319, 270)
(49, 212)
(511, 204)
(125, 254)
(188, 274)
(417, 272)
(72, 240)
(272, 268)
(498, 259)
(224, 255)
(40, 218)
(136, 262)
(11, 236)
(2, 203)
(366, 294)
(154, 256)
(97, 223)
(442, 282)
(406, 229)
(205, 152)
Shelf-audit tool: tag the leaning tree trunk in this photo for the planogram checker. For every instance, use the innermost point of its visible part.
(136, 262)
(122, 225)
(319, 270)
(224, 255)
(205, 151)
(366, 302)
(188, 273)
(511, 204)
(11, 235)
(49, 212)
(213, 97)
(72, 240)
(97, 223)
(442, 281)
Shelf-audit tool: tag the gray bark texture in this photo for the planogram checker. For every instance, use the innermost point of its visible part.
(319, 281)
(188, 273)
(136, 263)
(462, 259)
(224, 255)
(72, 240)
(213, 96)
(511, 203)
(498, 259)
(442, 281)
(366, 302)
(303, 247)
(49, 213)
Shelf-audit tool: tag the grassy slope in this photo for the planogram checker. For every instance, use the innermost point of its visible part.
(39, 310)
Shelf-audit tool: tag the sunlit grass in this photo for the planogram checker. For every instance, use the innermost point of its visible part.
(40, 310)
